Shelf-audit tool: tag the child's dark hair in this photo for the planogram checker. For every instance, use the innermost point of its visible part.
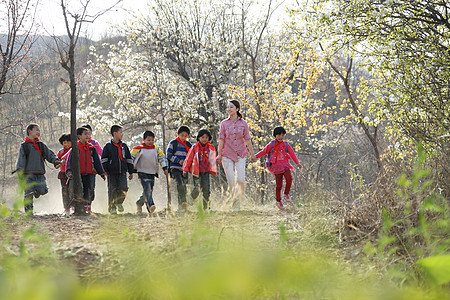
(148, 133)
(279, 130)
(80, 130)
(30, 127)
(184, 129)
(202, 132)
(238, 106)
(64, 137)
(115, 128)
(87, 126)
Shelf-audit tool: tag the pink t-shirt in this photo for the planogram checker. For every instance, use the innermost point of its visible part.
(234, 134)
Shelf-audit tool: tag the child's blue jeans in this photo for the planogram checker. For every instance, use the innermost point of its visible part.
(147, 181)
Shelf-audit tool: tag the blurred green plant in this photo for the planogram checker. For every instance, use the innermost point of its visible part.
(416, 246)
(203, 262)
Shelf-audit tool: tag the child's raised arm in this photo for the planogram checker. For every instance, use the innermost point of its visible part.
(263, 151)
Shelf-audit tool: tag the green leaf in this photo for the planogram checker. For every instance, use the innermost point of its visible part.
(437, 268)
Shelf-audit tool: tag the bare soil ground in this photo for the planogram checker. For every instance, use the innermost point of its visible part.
(84, 239)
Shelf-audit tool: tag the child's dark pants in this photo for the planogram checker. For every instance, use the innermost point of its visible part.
(117, 189)
(87, 180)
(65, 191)
(36, 186)
(201, 184)
(181, 185)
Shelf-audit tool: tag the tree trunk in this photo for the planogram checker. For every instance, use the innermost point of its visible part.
(77, 198)
(163, 127)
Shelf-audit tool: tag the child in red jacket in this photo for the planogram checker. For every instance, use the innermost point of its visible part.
(201, 161)
(62, 155)
(279, 152)
(90, 165)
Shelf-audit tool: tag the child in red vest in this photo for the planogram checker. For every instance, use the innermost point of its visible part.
(90, 165)
(62, 155)
(30, 161)
(279, 152)
(201, 161)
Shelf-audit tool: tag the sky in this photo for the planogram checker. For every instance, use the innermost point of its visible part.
(50, 15)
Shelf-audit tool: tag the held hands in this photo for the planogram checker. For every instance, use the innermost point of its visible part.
(253, 157)
(299, 166)
(181, 161)
(103, 176)
(130, 176)
(219, 159)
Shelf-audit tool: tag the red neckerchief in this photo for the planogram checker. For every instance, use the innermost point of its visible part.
(119, 146)
(144, 147)
(28, 140)
(184, 143)
(275, 147)
(203, 151)
(64, 153)
(85, 146)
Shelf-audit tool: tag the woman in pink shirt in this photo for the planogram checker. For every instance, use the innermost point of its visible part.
(234, 139)
(279, 152)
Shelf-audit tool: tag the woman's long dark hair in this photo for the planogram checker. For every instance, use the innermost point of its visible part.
(238, 106)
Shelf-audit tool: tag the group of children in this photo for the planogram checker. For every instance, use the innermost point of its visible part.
(115, 160)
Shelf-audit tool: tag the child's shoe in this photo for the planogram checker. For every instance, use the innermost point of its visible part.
(88, 208)
(112, 210)
(182, 207)
(287, 199)
(138, 209)
(152, 209)
(280, 205)
(66, 213)
(120, 207)
(72, 210)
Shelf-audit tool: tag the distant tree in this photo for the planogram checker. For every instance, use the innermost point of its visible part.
(17, 36)
(405, 43)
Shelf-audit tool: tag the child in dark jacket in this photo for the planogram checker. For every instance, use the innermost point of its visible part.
(201, 161)
(62, 154)
(90, 165)
(176, 154)
(30, 161)
(116, 160)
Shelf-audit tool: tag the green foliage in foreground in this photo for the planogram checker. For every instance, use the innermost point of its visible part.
(201, 262)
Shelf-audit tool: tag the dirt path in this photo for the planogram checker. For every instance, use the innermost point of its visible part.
(85, 238)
